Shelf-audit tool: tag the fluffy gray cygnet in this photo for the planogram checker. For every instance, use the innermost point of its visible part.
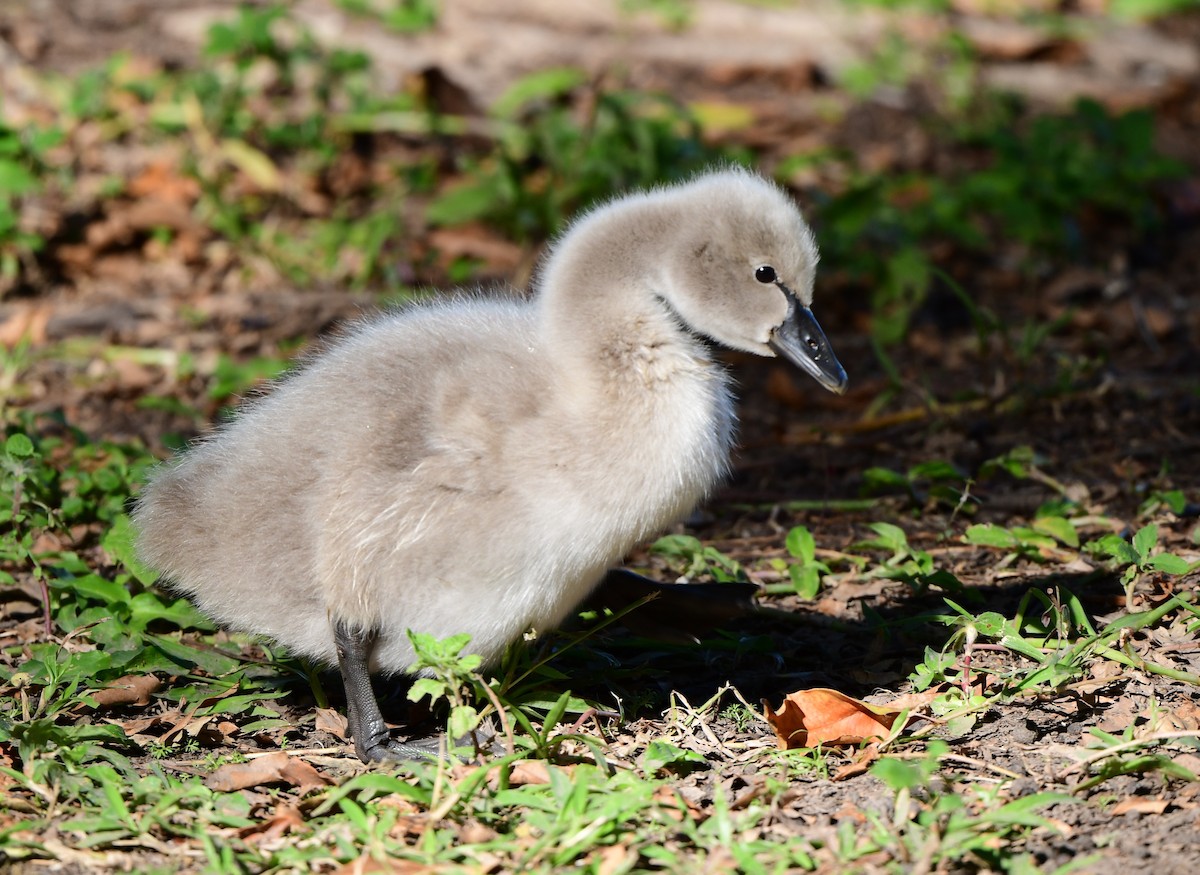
(477, 465)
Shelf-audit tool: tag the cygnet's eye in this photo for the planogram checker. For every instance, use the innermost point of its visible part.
(765, 274)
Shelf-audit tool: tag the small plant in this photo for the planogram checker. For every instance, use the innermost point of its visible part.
(662, 757)
(939, 482)
(1172, 500)
(1040, 541)
(697, 558)
(907, 563)
(454, 674)
(1137, 558)
(933, 818)
(1133, 752)
(806, 572)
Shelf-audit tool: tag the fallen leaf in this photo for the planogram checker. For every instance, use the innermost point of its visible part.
(475, 833)
(915, 701)
(6, 762)
(274, 768)
(132, 689)
(479, 242)
(861, 763)
(615, 858)
(669, 798)
(529, 772)
(161, 180)
(25, 322)
(1140, 806)
(333, 722)
(822, 716)
(286, 818)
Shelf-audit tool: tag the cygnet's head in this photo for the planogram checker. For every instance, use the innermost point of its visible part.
(741, 272)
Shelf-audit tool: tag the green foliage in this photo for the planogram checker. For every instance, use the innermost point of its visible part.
(663, 757)
(270, 115)
(452, 674)
(1149, 9)
(266, 119)
(806, 572)
(404, 16)
(939, 482)
(1133, 751)
(23, 165)
(675, 14)
(52, 487)
(948, 824)
(551, 164)
(1137, 557)
(907, 563)
(698, 559)
(1041, 180)
(1171, 499)
(1058, 641)
(1037, 541)
(232, 378)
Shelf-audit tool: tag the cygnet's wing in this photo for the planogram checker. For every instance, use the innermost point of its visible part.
(274, 520)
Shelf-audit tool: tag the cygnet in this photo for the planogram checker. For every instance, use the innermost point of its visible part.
(478, 464)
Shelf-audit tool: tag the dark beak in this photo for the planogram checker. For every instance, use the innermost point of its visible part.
(801, 340)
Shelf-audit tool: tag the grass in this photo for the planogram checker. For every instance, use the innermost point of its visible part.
(121, 705)
(112, 790)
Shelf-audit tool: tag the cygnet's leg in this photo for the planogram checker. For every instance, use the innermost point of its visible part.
(372, 741)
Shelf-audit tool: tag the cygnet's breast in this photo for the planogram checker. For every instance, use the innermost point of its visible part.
(644, 442)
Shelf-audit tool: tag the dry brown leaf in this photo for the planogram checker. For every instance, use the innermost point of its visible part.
(859, 766)
(915, 701)
(1140, 806)
(132, 689)
(669, 799)
(286, 818)
(26, 322)
(6, 761)
(529, 772)
(475, 833)
(160, 180)
(333, 722)
(274, 768)
(615, 858)
(822, 716)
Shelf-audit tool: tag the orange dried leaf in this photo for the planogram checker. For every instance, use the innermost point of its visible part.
(859, 765)
(529, 772)
(822, 716)
(274, 768)
(333, 722)
(132, 689)
(1140, 806)
(286, 819)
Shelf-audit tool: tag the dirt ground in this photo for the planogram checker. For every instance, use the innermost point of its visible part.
(1127, 422)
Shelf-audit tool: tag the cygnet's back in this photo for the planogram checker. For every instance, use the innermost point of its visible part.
(477, 465)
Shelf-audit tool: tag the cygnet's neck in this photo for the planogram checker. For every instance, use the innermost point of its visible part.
(603, 313)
